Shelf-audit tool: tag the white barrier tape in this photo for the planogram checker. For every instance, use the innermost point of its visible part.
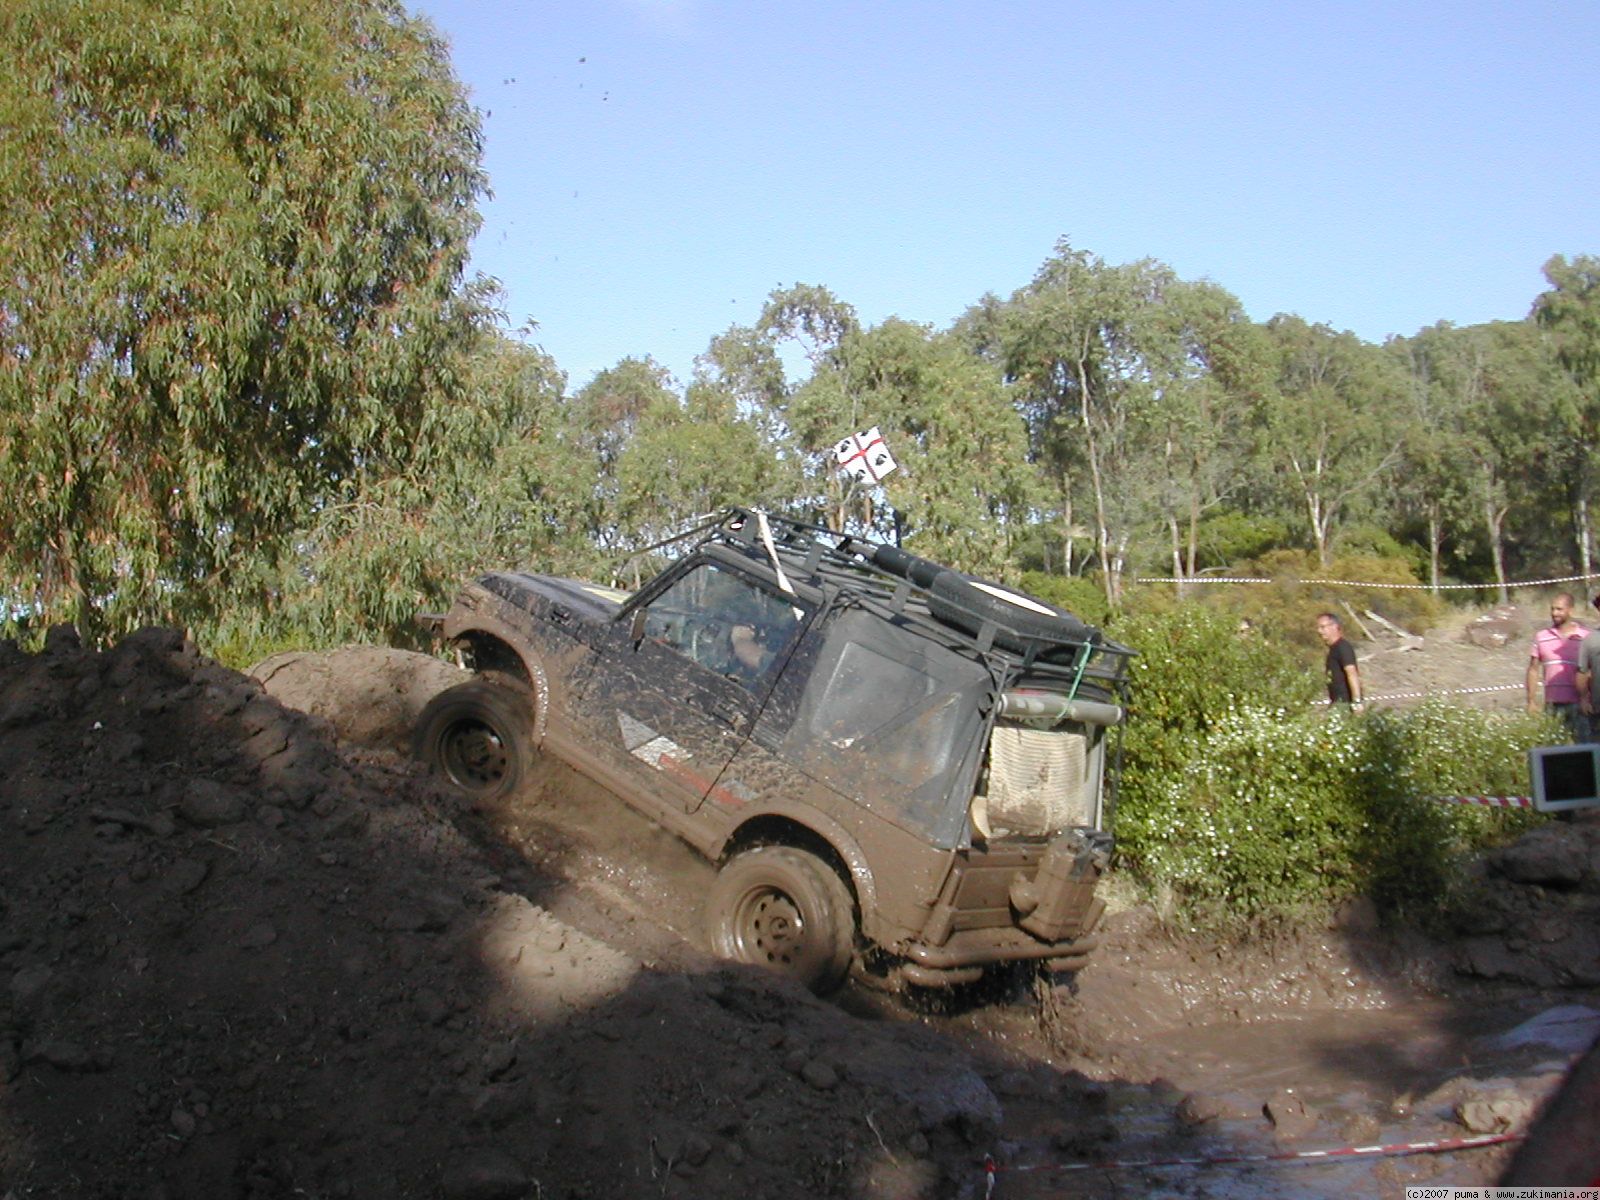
(1395, 587)
(1485, 801)
(1497, 687)
(1394, 1150)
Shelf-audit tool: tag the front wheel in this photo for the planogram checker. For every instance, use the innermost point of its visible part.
(479, 735)
(784, 909)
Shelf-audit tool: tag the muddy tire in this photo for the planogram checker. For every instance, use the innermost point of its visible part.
(784, 909)
(479, 736)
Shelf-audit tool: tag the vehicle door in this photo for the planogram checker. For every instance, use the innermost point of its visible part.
(679, 680)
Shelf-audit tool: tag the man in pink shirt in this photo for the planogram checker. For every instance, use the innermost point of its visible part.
(1555, 658)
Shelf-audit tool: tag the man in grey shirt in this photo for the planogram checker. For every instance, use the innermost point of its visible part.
(1588, 684)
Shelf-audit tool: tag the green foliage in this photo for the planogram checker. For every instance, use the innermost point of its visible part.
(232, 267)
(1081, 596)
(1248, 805)
(1230, 537)
(1333, 420)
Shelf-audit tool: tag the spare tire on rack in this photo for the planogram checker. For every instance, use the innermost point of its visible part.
(966, 602)
(1020, 620)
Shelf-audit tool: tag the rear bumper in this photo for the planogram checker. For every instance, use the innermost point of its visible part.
(1017, 903)
(983, 947)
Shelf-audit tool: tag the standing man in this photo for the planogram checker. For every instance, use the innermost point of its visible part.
(1588, 684)
(1555, 657)
(1344, 680)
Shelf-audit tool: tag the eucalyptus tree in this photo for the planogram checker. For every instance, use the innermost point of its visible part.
(1332, 423)
(1435, 484)
(694, 456)
(1498, 392)
(796, 416)
(231, 284)
(1210, 365)
(1570, 311)
(504, 484)
(964, 489)
(607, 414)
(1088, 350)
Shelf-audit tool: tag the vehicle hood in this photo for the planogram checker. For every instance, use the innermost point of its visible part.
(589, 602)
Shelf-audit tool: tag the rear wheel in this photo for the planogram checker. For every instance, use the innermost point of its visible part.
(479, 735)
(784, 909)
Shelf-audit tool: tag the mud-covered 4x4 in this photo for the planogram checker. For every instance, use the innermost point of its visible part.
(891, 762)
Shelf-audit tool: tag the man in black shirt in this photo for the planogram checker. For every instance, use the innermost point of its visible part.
(1344, 680)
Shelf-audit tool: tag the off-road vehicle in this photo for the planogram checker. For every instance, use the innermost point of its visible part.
(892, 763)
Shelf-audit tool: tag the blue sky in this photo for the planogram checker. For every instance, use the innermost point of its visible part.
(660, 166)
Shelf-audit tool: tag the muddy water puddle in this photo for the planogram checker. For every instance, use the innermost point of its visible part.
(1341, 1079)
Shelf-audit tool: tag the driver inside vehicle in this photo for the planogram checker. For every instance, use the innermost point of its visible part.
(751, 656)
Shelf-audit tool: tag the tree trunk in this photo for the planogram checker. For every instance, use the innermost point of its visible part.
(1177, 553)
(1102, 536)
(1493, 520)
(1435, 541)
(1585, 536)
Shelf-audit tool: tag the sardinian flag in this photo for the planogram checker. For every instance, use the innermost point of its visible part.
(865, 456)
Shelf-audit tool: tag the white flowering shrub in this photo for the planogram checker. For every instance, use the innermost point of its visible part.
(1247, 803)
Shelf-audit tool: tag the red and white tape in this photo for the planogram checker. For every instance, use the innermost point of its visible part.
(1486, 801)
(1365, 583)
(992, 1170)
(1467, 691)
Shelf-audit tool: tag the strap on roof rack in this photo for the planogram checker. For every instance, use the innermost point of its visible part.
(897, 600)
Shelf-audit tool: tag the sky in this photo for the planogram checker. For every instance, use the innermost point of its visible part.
(659, 167)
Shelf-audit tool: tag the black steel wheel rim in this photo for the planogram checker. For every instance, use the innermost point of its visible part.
(474, 754)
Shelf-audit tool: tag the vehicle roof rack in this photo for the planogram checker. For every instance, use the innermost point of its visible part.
(822, 556)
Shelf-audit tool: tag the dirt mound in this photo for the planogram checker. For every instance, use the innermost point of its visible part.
(371, 695)
(239, 959)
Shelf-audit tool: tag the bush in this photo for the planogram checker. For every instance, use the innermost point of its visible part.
(1300, 587)
(1249, 805)
(1232, 537)
(1077, 594)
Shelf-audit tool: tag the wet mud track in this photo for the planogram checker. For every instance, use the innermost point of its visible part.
(1089, 1071)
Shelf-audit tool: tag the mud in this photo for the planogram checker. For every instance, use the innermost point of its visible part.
(241, 955)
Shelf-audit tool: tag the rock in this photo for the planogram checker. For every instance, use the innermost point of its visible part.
(485, 1174)
(63, 1056)
(1549, 857)
(1493, 630)
(1494, 1113)
(499, 1058)
(1358, 915)
(10, 1061)
(62, 639)
(1491, 958)
(1289, 1115)
(259, 936)
(431, 1006)
(1198, 1108)
(211, 805)
(186, 875)
(820, 1075)
(28, 988)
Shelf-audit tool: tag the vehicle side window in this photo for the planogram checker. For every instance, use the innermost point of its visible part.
(887, 711)
(725, 624)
